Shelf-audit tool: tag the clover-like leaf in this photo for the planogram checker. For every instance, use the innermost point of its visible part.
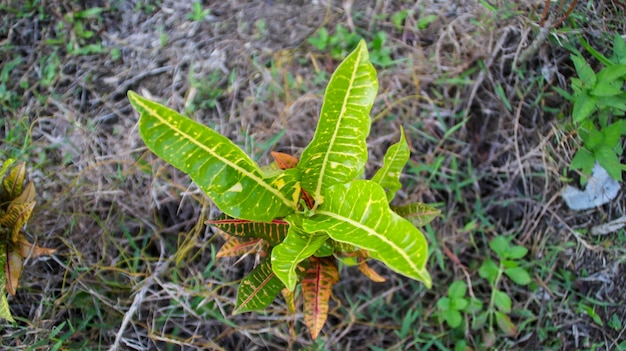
(338, 152)
(358, 213)
(297, 247)
(316, 288)
(219, 167)
(258, 289)
(388, 176)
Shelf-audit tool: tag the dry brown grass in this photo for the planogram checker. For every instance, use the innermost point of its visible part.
(136, 271)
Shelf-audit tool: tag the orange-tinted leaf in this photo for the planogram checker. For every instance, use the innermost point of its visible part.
(273, 232)
(370, 273)
(25, 249)
(316, 288)
(505, 324)
(13, 271)
(237, 246)
(284, 161)
(290, 299)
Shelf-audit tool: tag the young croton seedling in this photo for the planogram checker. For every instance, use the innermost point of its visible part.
(304, 215)
(16, 205)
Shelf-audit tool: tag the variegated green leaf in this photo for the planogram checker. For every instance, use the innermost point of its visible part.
(327, 249)
(388, 176)
(297, 247)
(338, 152)
(221, 169)
(358, 213)
(5, 166)
(420, 214)
(236, 246)
(273, 232)
(258, 289)
(316, 289)
(5, 313)
(16, 216)
(14, 181)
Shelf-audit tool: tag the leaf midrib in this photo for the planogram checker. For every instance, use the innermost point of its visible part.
(318, 188)
(188, 137)
(372, 232)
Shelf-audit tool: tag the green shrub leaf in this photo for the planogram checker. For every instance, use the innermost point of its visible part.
(221, 169)
(358, 213)
(502, 301)
(584, 106)
(585, 72)
(388, 176)
(418, 213)
(258, 289)
(338, 152)
(518, 274)
(297, 247)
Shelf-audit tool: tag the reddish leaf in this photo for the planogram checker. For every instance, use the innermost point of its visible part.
(25, 249)
(370, 273)
(237, 246)
(505, 324)
(273, 232)
(316, 288)
(284, 161)
(308, 199)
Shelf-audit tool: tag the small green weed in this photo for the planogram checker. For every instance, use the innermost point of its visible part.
(198, 12)
(343, 41)
(599, 108)
(500, 304)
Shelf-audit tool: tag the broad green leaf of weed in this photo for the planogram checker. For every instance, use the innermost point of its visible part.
(593, 138)
(612, 133)
(584, 105)
(453, 318)
(608, 159)
(518, 274)
(489, 270)
(585, 72)
(397, 18)
(604, 88)
(502, 301)
(619, 49)
(500, 245)
(457, 289)
(516, 252)
(611, 74)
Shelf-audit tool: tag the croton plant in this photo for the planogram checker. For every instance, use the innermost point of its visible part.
(306, 215)
(16, 205)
